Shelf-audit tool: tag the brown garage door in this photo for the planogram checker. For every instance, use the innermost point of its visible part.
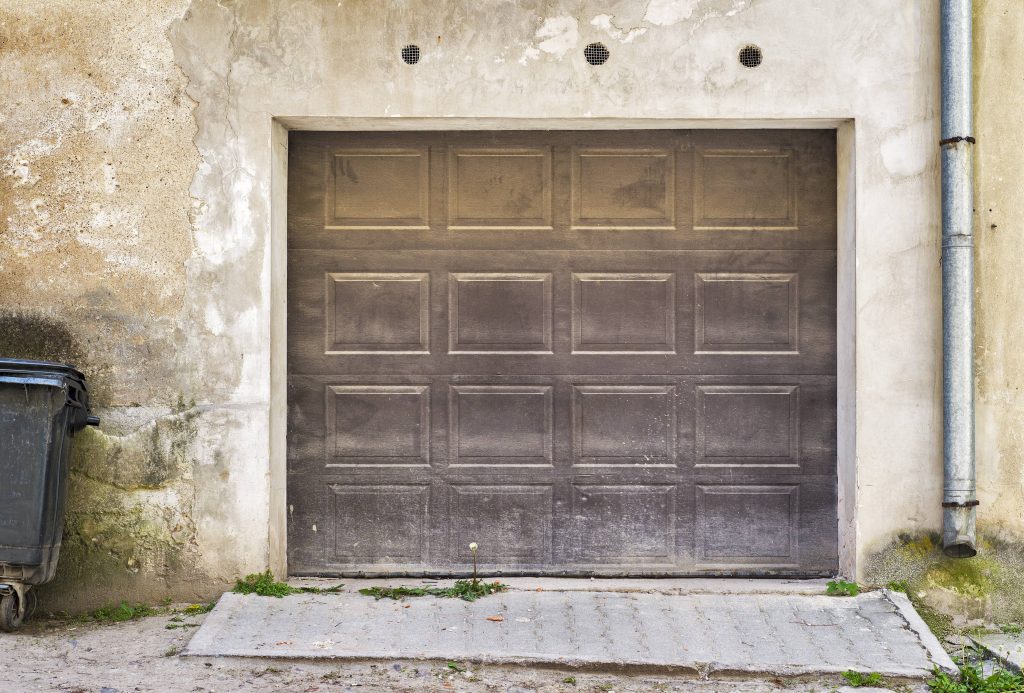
(588, 352)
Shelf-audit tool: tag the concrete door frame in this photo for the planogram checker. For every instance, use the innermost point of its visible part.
(846, 279)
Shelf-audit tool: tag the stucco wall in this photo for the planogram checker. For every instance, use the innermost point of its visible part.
(999, 297)
(137, 197)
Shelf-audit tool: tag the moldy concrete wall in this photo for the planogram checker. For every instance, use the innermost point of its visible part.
(138, 211)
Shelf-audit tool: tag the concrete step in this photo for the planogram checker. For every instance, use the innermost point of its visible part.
(702, 633)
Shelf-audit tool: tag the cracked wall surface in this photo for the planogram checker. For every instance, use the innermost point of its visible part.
(135, 194)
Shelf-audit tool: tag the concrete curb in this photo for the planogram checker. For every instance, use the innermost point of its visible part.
(914, 621)
(665, 586)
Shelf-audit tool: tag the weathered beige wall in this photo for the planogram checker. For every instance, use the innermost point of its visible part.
(96, 247)
(136, 197)
(999, 297)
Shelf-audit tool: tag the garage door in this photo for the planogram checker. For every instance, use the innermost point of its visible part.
(591, 353)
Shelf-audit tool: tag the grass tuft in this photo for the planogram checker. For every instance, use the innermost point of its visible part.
(972, 680)
(468, 590)
(857, 679)
(842, 588)
(119, 614)
(264, 585)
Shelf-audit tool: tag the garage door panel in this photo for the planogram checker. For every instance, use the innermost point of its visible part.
(507, 188)
(745, 188)
(746, 524)
(514, 523)
(698, 313)
(501, 425)
(380, 523)
(499, 312)
(593, 353)
(378, 425)
(579, 192)
(623, 312)
(633, 425)
(623, 189)
(760, 427)
(747, 312)
(377, 312)
(624, 524)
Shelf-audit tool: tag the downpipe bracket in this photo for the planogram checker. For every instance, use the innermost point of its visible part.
(954, 140)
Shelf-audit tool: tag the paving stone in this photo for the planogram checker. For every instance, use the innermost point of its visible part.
(771, 633)
(1008, 649)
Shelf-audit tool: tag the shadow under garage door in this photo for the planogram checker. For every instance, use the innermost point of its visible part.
(592, 353)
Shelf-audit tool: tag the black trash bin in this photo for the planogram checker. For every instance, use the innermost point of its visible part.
(42, 405)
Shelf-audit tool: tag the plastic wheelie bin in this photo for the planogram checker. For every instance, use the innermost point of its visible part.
(42, 406)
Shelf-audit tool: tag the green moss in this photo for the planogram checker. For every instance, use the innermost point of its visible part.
(151, 457)
(972, 577)
(938, 623)
(949, 591)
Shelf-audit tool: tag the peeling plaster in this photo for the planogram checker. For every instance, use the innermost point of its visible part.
(905, 152)
(671, 12)
(606, 24)
(558, 35)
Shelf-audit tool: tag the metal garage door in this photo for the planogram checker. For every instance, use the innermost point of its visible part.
(588, 352)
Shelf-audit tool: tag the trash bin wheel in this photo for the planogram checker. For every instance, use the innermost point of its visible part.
(10, 619)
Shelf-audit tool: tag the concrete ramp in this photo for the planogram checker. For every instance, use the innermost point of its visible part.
(704, 633)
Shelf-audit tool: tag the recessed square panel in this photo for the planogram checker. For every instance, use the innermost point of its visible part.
(501, 425)
(378, 189)
(499, 313)
(623, 312)
(742, 524)
(509, 524)
(623, 189)
(744, 189)
(625, 524)
(746, 313)
(377, 313)
(379, 523)
(378, 425)
(499, 188)
(629, 425)
(749, 425)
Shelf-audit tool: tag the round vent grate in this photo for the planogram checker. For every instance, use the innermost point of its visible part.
(596, 53)
(411, 54)
(750, 56)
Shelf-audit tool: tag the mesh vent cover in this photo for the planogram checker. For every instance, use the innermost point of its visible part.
(750, 56)
(411, 54)
(596, 53)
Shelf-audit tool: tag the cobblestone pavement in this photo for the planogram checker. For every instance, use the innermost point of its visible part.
(700, 634)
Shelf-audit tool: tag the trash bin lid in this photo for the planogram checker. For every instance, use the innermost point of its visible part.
(23, 366)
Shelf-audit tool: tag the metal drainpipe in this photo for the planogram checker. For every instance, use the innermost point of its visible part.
(957, 146)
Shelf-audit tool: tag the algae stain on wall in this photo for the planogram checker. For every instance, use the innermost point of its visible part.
(963, 592)
(129, 527)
